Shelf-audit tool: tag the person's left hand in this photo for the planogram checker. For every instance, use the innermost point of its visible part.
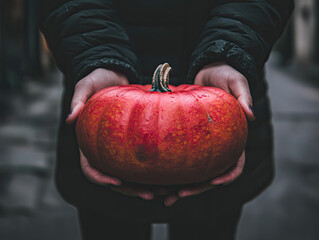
(99, 79)
(222, 76)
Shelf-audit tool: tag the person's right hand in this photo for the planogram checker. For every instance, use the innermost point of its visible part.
(84, 89)
(223, 76)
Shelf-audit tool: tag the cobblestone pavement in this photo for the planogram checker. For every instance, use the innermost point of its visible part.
(30, 207)
(289, 208)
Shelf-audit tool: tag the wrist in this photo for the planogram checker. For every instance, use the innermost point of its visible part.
(106, 77)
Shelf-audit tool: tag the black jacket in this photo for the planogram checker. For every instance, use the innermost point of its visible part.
(133, 37)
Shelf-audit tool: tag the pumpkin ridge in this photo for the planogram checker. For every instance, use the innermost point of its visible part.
(232, 142)
(157, 124)
(168, 164)
(80, 124)
(84, 112)
(147, 152)
(236, 136)
(205, 110)
(130, 125)
(229, 107)
(179, 96)
(238, 124)
(117, 96)
(137, 103)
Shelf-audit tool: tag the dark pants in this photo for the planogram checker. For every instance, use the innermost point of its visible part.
(96, 226)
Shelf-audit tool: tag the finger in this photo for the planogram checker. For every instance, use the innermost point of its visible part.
(170, 200)
(146, 195)
(134, 192)
(96, 176)
(240, 90)
(195, 190)
(232, 174)
(75, 113)
(83, 90)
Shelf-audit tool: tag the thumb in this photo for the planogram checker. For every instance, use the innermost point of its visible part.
(240, 90)
(81, 94)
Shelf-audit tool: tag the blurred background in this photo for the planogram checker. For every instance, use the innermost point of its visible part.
(30, 92)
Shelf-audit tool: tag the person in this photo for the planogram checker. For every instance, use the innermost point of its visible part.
(221, 43)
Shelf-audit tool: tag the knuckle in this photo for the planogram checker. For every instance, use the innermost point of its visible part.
(85, 82)
(231, 78)
(78, 85)
(76, 102)
(241, 78)
(91, 80)
(247, 97)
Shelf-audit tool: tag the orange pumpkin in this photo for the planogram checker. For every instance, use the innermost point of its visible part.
(162, 134)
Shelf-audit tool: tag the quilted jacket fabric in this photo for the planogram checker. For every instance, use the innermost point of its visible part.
(133, 37)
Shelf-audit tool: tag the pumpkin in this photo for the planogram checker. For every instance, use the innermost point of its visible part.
(162, 134)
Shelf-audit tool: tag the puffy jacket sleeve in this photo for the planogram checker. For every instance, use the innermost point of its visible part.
(86, 34)
(241, 33)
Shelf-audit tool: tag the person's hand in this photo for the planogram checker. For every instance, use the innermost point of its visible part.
(92, 83)
(226, 178)
(116, 184)
(222, 76)
(84, 89)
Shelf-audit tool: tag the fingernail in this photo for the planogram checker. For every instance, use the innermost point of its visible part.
(252, 110)
(167, 203)
(182, 194)
(116, 183)
(215, 183)
(170, 202)
(69, 115)
(219, 183)
(147, 196)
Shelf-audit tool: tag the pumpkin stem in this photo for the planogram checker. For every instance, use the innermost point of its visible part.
(161, 78)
